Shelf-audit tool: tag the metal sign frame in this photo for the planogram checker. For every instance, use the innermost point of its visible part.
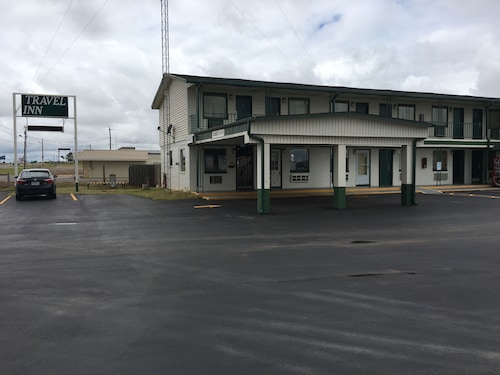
(57, 115)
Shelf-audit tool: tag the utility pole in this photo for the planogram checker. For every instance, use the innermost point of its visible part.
(25, 141)
(109, 138)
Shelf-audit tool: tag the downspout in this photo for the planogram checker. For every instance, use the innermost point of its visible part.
(414, 173)
(260, 192)
(488, 129)
(198, 169)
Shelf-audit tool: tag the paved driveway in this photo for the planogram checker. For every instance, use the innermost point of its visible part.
(122, 285)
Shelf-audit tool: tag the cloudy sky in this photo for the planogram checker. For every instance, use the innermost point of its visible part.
(108, 54)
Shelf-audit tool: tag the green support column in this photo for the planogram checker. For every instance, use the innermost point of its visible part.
(339, 198)
(263, 177)
(263, 201)
(408, 175)
(407, 195)
(339, 180)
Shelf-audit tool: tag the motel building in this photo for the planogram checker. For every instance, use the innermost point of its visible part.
(224, 134)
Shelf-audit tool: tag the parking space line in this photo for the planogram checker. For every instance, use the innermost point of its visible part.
(73, 196)
(5, 199)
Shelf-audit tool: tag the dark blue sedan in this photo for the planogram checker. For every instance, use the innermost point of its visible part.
(35, 182)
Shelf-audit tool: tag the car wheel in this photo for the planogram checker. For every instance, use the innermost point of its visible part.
(19, 197)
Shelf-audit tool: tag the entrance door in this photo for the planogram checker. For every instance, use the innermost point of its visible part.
(244, 168)
(458, 167)
(243, 107)
(385, 168)
(362, 168)
(477, 166)
(275, 168)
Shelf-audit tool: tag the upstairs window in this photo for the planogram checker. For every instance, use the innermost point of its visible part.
(341, 106)
(298, 106)
(440, 120)
(406, 112)
(215, 109)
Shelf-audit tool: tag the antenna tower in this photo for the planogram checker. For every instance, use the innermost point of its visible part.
(164, 37)
(165, 120)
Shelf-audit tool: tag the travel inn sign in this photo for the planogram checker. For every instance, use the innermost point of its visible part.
(44, 105)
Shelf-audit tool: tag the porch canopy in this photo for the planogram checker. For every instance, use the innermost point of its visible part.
(338, 130)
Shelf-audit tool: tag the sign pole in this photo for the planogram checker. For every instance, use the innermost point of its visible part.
(14, 118)
(75, 156)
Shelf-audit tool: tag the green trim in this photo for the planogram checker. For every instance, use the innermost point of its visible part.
(455, 142)
(339, 198)
(407, 194)
(263, 201)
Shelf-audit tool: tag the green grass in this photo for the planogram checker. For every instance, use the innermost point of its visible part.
(69, 188)
(157, 194)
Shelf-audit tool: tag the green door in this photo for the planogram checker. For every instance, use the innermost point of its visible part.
(458, 167)
(458, 123)
(243, 107)
(385, 168)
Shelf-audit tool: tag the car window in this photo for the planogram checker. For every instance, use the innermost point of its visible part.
(33, 174)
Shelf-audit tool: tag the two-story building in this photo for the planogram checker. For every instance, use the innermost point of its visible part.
(221, 134)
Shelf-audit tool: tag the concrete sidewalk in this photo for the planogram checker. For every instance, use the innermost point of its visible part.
(292, 193)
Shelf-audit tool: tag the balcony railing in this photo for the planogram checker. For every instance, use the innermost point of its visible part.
(212, 120)
(462, 131)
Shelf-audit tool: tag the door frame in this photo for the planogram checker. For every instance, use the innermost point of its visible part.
(368, 160)
(279, 173)
(248, 152)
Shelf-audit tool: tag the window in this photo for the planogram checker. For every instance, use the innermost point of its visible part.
(215, 109)
(385, 110)
(182, 160)
(440, 160)
(440, 120)
(297, 106)
(215, 160)
(299, 160)
(406, 112)
(341, 106)
(170, 161)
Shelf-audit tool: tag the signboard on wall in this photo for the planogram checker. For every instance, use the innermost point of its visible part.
(496, 171)
(44, 106)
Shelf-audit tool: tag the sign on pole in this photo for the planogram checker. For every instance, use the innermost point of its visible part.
(47, 106)
(44, 106)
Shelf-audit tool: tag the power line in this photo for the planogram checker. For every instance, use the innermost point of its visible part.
(267, 38)
(298, 38)
(51, 42)
(74, 40)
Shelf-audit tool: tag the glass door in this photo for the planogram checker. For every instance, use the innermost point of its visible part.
(362, 168)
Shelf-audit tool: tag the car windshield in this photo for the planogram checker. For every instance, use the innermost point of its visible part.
(32, 174)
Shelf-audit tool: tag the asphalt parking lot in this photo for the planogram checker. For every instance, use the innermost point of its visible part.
(124, 285)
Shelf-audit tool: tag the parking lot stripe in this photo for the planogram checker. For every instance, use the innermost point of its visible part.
(73, 196)
(5, 199)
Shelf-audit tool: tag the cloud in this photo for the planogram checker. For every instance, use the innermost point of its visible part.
(108, 53)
